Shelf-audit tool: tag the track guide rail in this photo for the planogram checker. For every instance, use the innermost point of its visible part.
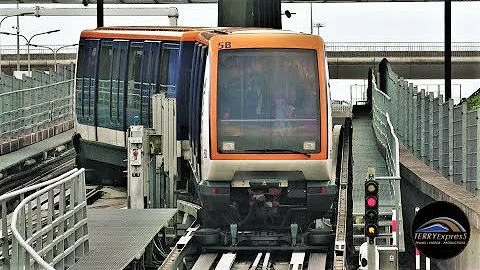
(175, 257)
(339, 258)
(262, 261)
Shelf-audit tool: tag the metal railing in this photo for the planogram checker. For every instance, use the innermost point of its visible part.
(384, 131)
(64, 237)
(341, 108)
(34, 104)
(400, 46)
(386, 136)
(38, 233)
(330, 46)
(12, 49)
(441, 134)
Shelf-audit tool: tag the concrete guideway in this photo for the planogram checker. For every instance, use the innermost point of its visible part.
(25, 153)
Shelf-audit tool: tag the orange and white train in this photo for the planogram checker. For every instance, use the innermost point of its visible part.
(253, 104)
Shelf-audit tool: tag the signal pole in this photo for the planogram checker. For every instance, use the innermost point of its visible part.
(371, 217)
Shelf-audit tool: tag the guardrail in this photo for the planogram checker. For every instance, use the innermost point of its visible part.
(441, 134)
(386, 136)
(330, 46)
(341, 109)
(46, 233)
(34, 108)
(45, 49)
(384, 130)
(400, 46)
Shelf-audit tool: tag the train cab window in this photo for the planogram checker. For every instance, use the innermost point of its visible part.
(268, 100)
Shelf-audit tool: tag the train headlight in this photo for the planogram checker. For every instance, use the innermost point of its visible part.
(228, 146)
(309, 145)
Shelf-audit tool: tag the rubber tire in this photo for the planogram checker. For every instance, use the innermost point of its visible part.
(320, 238)
(207, 236)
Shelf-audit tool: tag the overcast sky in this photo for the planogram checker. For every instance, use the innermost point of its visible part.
(344, 22)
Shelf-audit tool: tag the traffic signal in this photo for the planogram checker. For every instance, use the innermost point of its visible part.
(371, 208)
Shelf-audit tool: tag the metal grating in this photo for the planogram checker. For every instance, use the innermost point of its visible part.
(118, 235)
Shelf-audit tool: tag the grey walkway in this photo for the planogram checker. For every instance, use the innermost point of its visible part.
(25, 153)
(118, 235)
(365, 154)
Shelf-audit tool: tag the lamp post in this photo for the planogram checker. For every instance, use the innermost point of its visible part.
(55, 52)
(28, 43)
(318, 25)
(18, 48)
(21, 14)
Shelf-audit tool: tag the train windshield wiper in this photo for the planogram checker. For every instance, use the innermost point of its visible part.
(278, 150)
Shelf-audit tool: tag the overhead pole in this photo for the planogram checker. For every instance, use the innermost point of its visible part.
(311, 18)
(448, 49)
(99, 13)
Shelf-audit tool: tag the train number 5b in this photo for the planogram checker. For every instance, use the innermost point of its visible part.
(224, 45)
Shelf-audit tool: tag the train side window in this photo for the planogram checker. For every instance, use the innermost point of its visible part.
(87, 72)
(148, 78)
(120, 49)
(134, 80)
(90, 77)
(168, 69)
(105, 84)
(79, 102)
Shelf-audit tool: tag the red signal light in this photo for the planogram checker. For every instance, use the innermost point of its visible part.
(214, 190)
(371, 201)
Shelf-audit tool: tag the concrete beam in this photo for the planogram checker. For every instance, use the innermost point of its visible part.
(461, 69)
(339, 68)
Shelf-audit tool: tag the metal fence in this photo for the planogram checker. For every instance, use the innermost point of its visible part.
(400, 46)
(330, 46)
(48, 228)
(44, 49)
(35, 107)
(387, 138)
(441, 134)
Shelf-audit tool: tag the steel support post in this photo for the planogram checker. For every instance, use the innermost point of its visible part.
(448, 49)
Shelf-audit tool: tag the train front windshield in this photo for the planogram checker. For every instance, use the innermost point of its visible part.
(268, 101)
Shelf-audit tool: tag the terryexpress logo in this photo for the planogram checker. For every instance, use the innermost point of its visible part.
(441, 230)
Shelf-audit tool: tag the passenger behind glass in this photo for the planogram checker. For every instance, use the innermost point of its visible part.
(229, 89)
(254, 88)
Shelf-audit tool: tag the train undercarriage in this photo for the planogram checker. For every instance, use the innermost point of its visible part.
(279, 213)
(271, 224)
